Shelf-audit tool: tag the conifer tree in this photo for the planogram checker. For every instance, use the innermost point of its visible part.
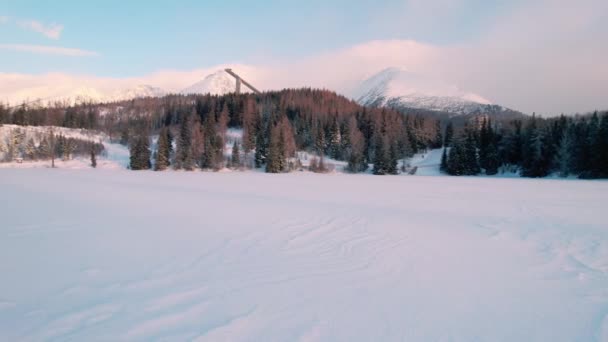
(392, 159)
(492, 160)
(380, 162)
(236, 155)
(335, 143)
(534, 162)
(438, 139)
(449, 134)
(184, 158)
(471, 159)
(274, 163)
(222, 121)
(93, 156)
(356, 156)
(261, 143)
(69, 147)
(563, 156)
(162, 157)
(140, 153)
(601, 147)
(443, 167)
(30, 149)
(320, 140)
(457, 159)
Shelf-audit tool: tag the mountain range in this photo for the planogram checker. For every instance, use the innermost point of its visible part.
(392, 87)
(412, 92)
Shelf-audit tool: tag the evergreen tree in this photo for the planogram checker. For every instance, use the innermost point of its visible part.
(162, 157)
(276, 158)
(356, 150)
(140, 153)
(60, 149)
(471, 161)
(392, 159)
(69, 147)
(236, 155)
(261, 144)
(601, 148)
(449, 134)
(93, 157)
(438, 139)
(380, 160)
(535, 162)
(513, 147)
(44, 148)
(320, 140)
(564, 156)
(335, 141)
(213, 154)
(457, 159)
(443, 167)
(124, 137)
(30, 149)
(184, 158)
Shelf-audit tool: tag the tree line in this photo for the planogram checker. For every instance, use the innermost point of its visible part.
(534, 147)
(188, 132)
(17, 144)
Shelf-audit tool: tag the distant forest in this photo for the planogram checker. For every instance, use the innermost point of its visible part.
(190, 133)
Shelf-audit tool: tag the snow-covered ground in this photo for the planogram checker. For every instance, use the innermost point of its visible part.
(114, 255)
(115, 156)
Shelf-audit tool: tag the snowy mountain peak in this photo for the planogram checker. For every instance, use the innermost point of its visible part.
(217, 83)
(400, 88)
(83, 95)
(139, 91)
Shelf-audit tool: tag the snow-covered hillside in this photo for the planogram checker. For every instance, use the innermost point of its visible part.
(396, 87)
(139, 91)
(139, 256)
(92, 95)
(217, 83)
(115, 156)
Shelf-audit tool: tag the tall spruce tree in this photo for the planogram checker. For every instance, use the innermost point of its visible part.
(335, 140)
(601, 147)
(93, 155)
(564, 154)
(261, 143)
(276, 157)
(356, 150)
(236, 155)
(380, 156)
(449, 134)
(438, 139)
(471, 158)
(162, 158)
(457, 158)
(140, 153)
(443, 167)
(184, 158)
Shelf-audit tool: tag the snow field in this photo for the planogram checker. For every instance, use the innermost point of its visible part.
(122, 255)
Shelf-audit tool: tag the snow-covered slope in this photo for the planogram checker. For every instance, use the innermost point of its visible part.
(115, 156)
(94, 255)
(217, 83)
(140, 91)
(87, 94)
(84, 95)
(399, 88)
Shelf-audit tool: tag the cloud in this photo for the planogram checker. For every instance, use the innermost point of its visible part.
(49, 50)
(52, 31)
(3, 19)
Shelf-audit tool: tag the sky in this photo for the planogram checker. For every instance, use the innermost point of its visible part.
(543, 56)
